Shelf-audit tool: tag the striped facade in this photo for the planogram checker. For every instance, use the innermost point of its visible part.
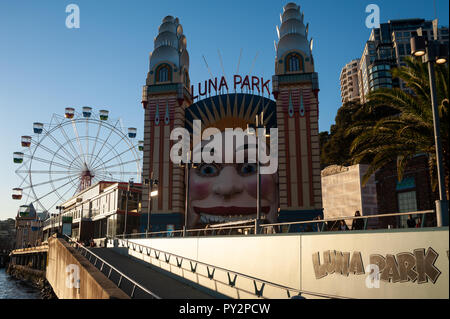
(299, 152)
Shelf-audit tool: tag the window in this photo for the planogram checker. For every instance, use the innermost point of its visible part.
(163, 73)
(406, 203)
(294, 63)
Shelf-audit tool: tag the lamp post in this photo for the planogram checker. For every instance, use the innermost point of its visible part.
(259, 125)
(130, 185)
(59, 208)
(186, 188)
(150, 182)
(432, 52)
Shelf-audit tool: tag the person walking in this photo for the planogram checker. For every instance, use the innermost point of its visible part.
(411, 221)
(343, 225)
(358, 224)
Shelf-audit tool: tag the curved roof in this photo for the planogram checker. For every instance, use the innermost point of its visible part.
(292, 26)
(164, 53)
(170, 44)
(231, 111)
(293, 34)
(293, 41)
(166, 38)
(167, 26)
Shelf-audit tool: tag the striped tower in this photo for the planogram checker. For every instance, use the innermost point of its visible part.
(165, 97)
(295, 88)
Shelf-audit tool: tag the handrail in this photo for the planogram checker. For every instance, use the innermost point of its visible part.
(251, 226)
(231, 272)
(122, 275)
(351, 217)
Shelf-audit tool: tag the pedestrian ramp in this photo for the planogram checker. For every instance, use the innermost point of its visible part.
(214, 280)
(159, 284)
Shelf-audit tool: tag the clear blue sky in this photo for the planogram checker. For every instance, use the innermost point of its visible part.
(45, 67)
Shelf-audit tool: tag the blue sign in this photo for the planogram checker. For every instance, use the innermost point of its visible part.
(406, 183)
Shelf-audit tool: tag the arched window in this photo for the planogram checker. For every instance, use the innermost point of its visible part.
(163, 73)
(294, 63)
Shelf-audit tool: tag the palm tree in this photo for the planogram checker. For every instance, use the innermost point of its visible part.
(409, 131)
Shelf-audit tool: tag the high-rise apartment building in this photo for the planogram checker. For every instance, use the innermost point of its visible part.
(386, 48)
(350, 82)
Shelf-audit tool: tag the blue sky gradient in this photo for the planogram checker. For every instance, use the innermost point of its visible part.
(45, 67)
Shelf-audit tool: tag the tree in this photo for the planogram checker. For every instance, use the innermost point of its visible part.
(335, 147)
(409, 131)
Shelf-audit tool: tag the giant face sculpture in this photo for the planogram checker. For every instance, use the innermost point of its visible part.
(222, 192)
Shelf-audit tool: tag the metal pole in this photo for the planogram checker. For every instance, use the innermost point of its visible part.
(258, 177)
(186, 183)
(149, 206)
(442, 203)
(126, 212)
(150, 187)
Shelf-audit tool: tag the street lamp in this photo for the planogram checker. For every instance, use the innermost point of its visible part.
(151, 193)
(187, 165)
(130, 185)
(59, 208)
(432, 52)
(259, 124)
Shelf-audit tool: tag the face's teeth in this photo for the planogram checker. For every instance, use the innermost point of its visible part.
(212, 219)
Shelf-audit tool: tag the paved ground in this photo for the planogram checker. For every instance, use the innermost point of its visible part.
(158, 283)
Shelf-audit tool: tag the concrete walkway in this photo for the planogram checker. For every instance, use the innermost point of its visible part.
(160, 284)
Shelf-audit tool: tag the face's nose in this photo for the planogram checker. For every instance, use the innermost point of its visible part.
(228, 182)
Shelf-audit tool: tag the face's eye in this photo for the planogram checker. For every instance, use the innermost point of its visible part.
(207, 170)
(246, 169)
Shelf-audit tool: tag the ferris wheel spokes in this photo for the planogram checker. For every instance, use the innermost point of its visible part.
(106, 141)
(46, 161)
(51, 192)
(127, 150)
(53, 153)
(50, 181)
(95, 142)
(78, 140)
(40, 172)
(69, 141)
(61, 198)
(128, 162)
(58, 144)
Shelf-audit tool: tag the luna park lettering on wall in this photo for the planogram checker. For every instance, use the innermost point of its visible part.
(418, 266)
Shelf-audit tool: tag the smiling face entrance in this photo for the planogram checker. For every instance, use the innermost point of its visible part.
(220, 190)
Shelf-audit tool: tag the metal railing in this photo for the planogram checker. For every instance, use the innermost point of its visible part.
(211, 269)
(365, 218)
(249, 227)
(112, 272)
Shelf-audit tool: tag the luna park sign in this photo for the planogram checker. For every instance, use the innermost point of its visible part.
(418, 266)
(213, 86)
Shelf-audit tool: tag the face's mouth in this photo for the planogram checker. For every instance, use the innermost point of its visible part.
(223, 214)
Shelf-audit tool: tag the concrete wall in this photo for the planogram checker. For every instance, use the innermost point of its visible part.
(300, 261)
(62, 260)
(343, 193)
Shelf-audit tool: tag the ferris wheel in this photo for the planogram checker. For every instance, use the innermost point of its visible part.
(73, 152)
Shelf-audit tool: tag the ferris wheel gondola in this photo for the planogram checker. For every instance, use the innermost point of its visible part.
(73, 152)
